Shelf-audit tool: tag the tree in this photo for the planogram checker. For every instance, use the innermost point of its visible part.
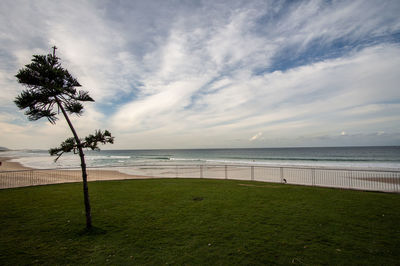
(51, 89)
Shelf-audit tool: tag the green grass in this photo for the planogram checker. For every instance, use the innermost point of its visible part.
(198, 222)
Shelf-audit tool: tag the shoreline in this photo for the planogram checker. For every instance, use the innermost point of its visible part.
(335, 158)
(7, 165)
(14, 174)
(20, 166)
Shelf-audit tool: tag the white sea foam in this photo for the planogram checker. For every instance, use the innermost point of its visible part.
(46, 162)
(347, 158)
(302, 163)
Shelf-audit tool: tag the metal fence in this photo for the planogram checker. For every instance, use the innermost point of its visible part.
(359, 179)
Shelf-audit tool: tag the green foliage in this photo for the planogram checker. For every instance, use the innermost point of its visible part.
(90, 142)
(51, 88)
(48, 84)
(160, 222)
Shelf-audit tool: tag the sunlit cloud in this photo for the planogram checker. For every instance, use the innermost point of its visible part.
(256, 136)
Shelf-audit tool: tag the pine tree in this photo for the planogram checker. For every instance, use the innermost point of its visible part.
(51, 89)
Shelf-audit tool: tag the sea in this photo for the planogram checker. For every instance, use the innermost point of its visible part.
(387, 157)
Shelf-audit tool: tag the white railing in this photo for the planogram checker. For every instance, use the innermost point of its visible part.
(359, 179)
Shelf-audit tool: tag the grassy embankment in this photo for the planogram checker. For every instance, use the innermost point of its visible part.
(199, 222)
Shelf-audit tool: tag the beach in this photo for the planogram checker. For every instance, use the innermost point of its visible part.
(6, 165)
(13, 174)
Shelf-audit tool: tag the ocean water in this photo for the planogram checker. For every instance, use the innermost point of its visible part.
(363, 157)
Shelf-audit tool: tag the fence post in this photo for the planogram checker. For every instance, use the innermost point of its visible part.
(313, 177)
(176, 171)
(226, 172)
(281, 169)
(252, 173)
(201, 171)
(351, 180)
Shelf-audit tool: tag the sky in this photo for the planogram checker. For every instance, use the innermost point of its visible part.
(211, 74)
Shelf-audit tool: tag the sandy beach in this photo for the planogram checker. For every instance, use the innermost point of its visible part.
(13, 174)
(6, 165)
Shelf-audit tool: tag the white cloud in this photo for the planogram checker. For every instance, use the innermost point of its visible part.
(256, 136)
(200, 73)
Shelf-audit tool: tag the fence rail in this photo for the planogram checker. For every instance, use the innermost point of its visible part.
(359, 179)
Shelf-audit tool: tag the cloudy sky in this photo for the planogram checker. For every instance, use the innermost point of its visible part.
(202, 74)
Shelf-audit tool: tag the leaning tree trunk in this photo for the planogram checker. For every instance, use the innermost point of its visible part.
(83, 166)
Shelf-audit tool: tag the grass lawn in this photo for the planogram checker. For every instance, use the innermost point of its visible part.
(198, 222)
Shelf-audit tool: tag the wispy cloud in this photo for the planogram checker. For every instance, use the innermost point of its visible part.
(212, 73)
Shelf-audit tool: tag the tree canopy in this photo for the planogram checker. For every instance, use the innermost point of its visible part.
(51, 88)
(48, 84)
